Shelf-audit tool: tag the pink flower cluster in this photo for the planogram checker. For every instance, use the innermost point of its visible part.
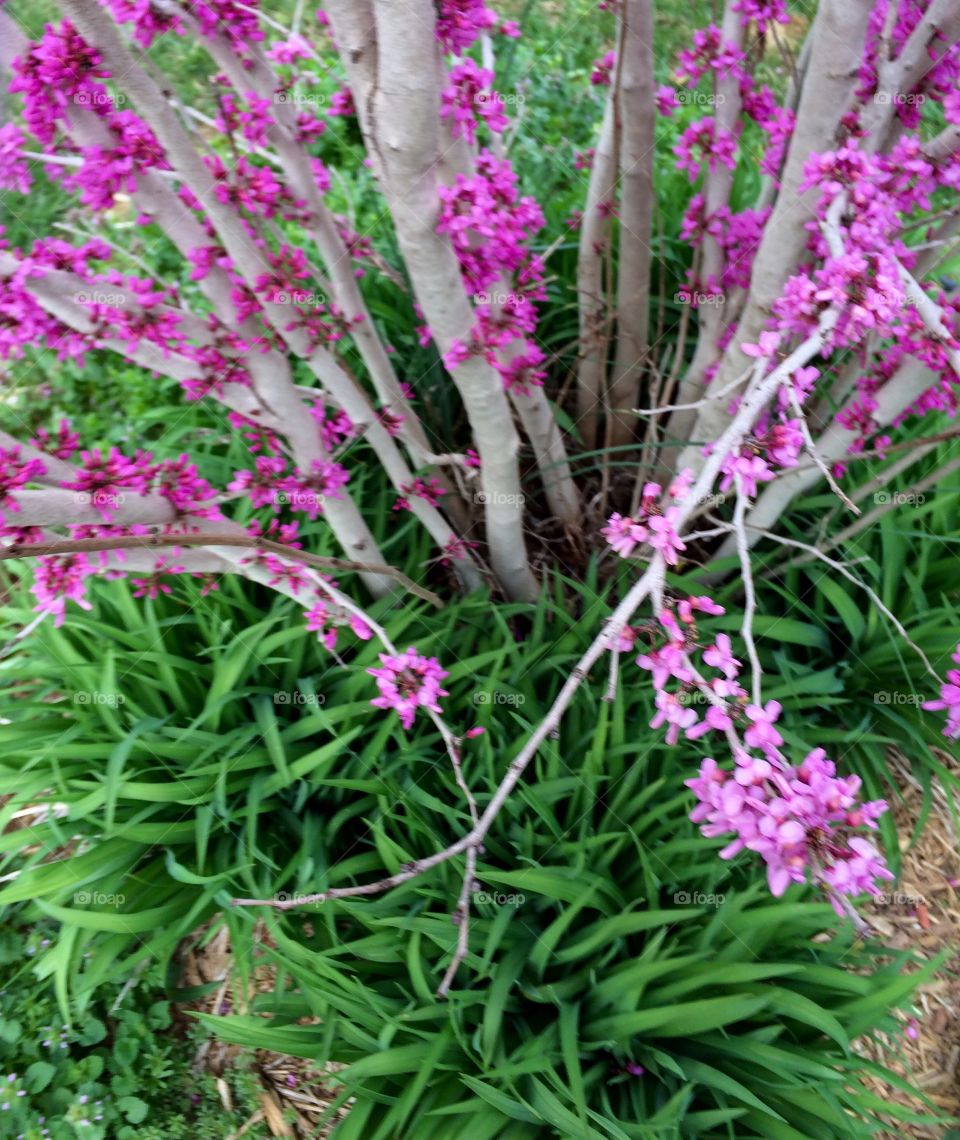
(323, 618)
(253, 117)
(103, 481)
(428, 489)
(756, 461)
(56, 76)
(705, 142)
(738, 236)
(408, 682)
(602, 73)
(490, 225)
(762, 12)
(461, 22)
(57, 581)
(949, 700)
(240, 22)
(470, 95)
(653, 525)
(108, 171)
(149, 19)
(802, 820)
(269, 485)
(14, 171)
(15, 472)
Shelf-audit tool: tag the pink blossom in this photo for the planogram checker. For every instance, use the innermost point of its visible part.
(14, 171)
(624, 534)
(766, 347)
(461, 22)
(703, 141)
(949, 700)
(290, 50)
(60, 579)
(672, 712)
(667, 101)
(798, 820)
(427, 488)
(14, 474)
(762, 734)
(664, 536)
(470, 95)
(720, 656)
(601, 75)
(408, 682)
(745, 470)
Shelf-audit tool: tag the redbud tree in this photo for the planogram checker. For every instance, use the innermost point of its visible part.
(812, 329)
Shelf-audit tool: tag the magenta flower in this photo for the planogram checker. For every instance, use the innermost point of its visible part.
(799, 820)
(746, 470)
(15, 473)
(624, 534)
(408, 682)
(672, 712)
(720, 656)
(766, 346)
(14, 171)
(470, 96)
(949, 700)
(761, 733)
(664, 537)
(602, 71)
(666, 100)
(461, 22)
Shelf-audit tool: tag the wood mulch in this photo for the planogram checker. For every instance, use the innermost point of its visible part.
(294, 1093)
(921, 913)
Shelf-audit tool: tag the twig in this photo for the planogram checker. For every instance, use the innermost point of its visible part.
(931, 314)
(814, 454)
(697, 404)
(893, 501)
(461, 916)
(611, 693)
(750, 606)
(841, 568)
